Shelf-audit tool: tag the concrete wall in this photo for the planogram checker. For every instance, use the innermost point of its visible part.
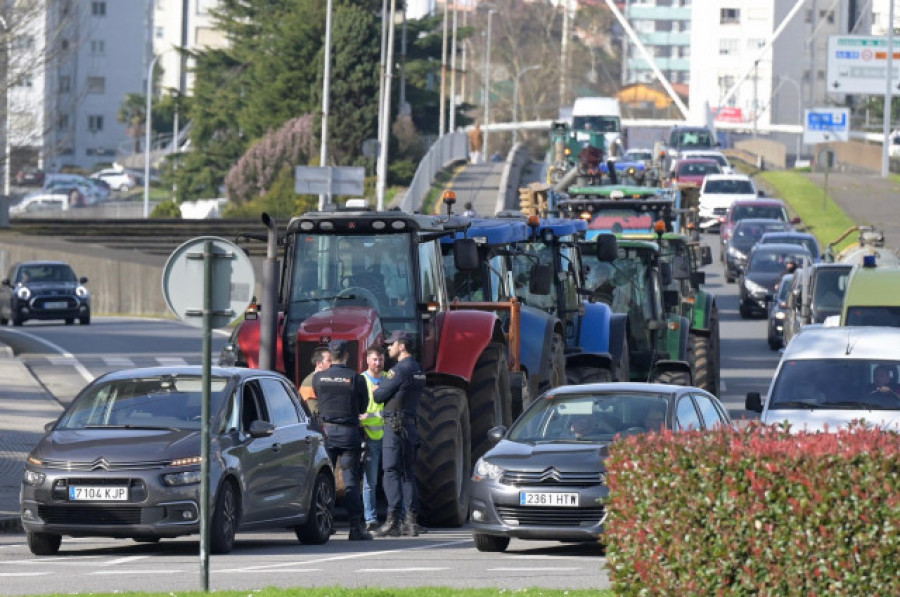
(120, 282)
(852, 155)
(773, 152)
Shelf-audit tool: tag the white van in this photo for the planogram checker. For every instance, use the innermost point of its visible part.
(40, 204)
(601, 114)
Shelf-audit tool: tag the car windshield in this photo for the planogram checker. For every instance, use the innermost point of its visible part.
(881, 316)
(747, 234)
(161, 402)
(729, 186)
(696, 168)
(603, 124)
(810, 243)
(589, 417)
(773, 261)
(46, 273)
(834, 384)
(638, 155)
(769, 212)
(685, 139)
(831, 284)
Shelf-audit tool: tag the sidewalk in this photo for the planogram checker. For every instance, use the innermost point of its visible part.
(25, 407)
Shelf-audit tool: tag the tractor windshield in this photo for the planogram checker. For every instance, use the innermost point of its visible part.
(337, 270)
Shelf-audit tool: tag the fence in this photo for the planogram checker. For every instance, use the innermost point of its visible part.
(450, 148)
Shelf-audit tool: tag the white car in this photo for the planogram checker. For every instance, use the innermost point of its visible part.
(118, 180)
(717, 193)
(831, 376)
(41, 202)
(709, 154)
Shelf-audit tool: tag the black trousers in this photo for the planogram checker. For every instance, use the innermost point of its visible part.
(344, 450)
(398, 456)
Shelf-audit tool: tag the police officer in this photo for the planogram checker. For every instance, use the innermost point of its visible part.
(399, 391)
(343, 396)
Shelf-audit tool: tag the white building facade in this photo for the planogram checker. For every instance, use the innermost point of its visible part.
(664, 28)
(177, 21)
(96, 54)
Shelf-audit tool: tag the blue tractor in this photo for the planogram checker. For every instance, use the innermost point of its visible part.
(541, 334)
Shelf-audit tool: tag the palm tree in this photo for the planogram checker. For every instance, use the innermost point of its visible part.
(133, 112)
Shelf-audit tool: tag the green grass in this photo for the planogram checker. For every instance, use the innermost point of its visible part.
(820, 214)
(375, 592)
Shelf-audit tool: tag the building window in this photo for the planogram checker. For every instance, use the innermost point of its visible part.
(22, 43)
(96, 85)
(98, 8)
(62, 123)
(65, 84)
(98, 47)
(159, 32)
(755, 43)
(828, 15)
(728, 47)
(95, 123)
(729, 16)
(25, 80)
(64, 44)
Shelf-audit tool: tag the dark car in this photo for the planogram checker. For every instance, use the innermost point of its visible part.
(798, 238)
(687, 137)
(123, 460)
(44, 290)
(744, 237)
(30, 177)
(779, 312)
(768, 208)
(759, 280)
(545, 479)
(694, 170)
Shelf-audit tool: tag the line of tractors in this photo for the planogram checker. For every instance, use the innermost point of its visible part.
(602, 285)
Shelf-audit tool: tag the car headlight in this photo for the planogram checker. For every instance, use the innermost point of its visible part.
(735, 252)
(182, 478)
(33, 478)
(23, 293)
(779, 315)
(82, 292)
(486, 470)
(754, 288)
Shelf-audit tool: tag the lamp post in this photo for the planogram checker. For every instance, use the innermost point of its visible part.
(326, 100)
(7, 163)
(487, 83)
(516, 99)
(148, 125)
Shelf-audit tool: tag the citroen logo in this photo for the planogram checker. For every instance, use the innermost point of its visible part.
(100, 463)
(550, 474)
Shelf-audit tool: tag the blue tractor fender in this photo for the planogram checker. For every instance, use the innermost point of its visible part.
(594, 329)
(537, 338)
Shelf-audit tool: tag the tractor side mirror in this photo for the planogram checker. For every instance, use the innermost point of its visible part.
(706, 255)
(697, 278)
(541, 280)
(670, 299)
(665, 273)
(753, 402)
(465, 254)
(681, 270)
(607, 247)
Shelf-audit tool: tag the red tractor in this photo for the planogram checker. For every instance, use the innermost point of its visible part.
(359, 276)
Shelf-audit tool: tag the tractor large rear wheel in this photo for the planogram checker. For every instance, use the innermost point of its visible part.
(489, 397)
(443, 461)
(582, 374)
(675, 378)
(701, 361)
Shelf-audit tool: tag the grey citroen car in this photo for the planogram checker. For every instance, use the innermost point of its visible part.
(546, 479)
(123, 460)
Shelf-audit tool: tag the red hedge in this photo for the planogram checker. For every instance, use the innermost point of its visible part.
(760, 510)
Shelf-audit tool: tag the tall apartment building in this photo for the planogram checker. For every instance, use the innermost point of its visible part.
(776, 83)
(25, 87)
(664, 28)
(96, 53)
(185, 23)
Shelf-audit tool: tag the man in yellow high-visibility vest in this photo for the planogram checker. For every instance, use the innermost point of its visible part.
(373, 430)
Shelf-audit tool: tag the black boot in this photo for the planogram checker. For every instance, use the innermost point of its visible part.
(390, 528)
(409, 528)
(358, 531)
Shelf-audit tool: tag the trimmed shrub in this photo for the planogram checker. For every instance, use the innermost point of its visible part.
(760, 510)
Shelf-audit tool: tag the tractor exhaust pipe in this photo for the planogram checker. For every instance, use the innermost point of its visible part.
(268, 333)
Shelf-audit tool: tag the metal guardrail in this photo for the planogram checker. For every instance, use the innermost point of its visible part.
(450, 148)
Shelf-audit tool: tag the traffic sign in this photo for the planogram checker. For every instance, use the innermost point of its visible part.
(330, 180)
(857, 64)
(826, 124)
(233, 281)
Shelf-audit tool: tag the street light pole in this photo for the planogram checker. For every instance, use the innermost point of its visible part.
(515, 137)
(786, 79)
(453, 73)
(7, 162)
(487, 84)
(326, 100)
(148, 124)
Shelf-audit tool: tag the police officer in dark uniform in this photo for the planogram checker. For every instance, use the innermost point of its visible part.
(399, 391)
(343, 396)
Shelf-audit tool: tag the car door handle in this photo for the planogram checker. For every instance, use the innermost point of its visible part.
(276, 448)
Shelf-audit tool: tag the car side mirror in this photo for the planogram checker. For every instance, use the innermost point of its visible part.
(6, 282)
(465, 254)
(541, 280)
(83, 280)
(753, 402)
(50, 424)
(495, 434)
(795, 220)
(607, 247)
(760, 193)
(260, 428)
(697, 278)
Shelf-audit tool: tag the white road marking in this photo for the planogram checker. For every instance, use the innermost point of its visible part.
(60, 559)
(244, 570)
(118, 362)
(423, 569)
(554, 569)
(125, 560)
(82, 370)
(171, 361)
(15, 574)
(154, 571)
(353, 556)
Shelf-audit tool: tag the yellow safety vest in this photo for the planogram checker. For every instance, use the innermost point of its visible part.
(374, 423)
